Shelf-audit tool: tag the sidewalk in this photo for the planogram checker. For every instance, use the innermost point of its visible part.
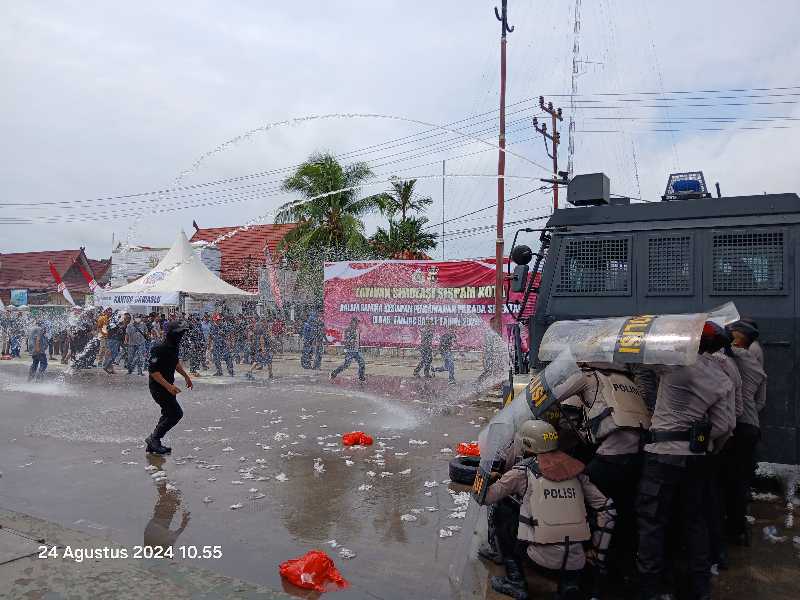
(105, 578)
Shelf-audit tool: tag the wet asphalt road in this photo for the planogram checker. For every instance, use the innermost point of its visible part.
(71, 451)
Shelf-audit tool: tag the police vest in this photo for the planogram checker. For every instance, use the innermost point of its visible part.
(551, 511)
(622, 400)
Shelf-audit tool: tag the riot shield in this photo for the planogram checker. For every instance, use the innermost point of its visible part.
(466, 572)
(643, 339)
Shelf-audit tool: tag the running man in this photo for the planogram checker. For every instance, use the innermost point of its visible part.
(352, 352)
(446, 344)
(163, 364)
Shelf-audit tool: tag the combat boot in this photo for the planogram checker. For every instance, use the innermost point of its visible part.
(503, 585)
(489, 553)
(154, 446)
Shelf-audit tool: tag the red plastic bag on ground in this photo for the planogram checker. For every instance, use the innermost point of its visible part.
(468, 449)
(312, 571)
(356, 438)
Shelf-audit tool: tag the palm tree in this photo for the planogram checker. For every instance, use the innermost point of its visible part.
(406, 239)
(333, 221)
(400, 199)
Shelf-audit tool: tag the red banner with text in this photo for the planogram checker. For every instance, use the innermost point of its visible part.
(393, 300)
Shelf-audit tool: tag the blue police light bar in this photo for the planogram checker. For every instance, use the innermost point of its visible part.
(686, 186)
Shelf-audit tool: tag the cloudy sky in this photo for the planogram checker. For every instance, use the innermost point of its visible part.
(105, 104)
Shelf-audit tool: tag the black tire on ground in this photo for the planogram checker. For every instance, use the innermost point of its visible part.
(463, 469)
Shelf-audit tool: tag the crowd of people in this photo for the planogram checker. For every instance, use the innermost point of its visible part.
(636, 470)
(109, 339)
(112, 339)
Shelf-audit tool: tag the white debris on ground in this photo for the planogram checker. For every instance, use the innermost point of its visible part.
(417, 442)
(236, 506)
(227, 449)
(281, 477)
(405, 472)
(208, 500)
(445, 451)
(151, 468)
(431, 484)
(171, 488)
(408, 517)
(443, 533)
(364, 487)
(346, 553)
(319, 468)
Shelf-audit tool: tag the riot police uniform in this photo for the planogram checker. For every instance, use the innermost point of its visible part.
(692, 410)
(553, 495)
(739, 455)
(615, 419)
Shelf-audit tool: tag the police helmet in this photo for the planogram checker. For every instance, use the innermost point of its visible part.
(538, 437)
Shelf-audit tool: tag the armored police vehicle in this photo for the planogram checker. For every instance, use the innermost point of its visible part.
(687, 253)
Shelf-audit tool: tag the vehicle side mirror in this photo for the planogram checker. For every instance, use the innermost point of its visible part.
(519, 278)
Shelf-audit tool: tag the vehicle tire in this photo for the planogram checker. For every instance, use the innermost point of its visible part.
(463, 469)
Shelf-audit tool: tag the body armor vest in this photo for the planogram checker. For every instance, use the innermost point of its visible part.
(622, 400)
(551, 511)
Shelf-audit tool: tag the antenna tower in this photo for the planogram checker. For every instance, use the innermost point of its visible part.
(576, 49)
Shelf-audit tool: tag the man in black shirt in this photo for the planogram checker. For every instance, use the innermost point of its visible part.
(162, 366)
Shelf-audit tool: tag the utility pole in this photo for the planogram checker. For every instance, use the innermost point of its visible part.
(501, 168)
(554, 137)
(443, 163)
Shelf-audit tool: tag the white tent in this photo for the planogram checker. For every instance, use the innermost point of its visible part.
(179, 273)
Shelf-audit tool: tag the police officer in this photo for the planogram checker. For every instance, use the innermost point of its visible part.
(552, 524)
(162, 366)
(716, 505)
(446, 344)
(425, 351)
(615, 419)
(352, 352)
(739, 456)
(507, 510)
(220, 348)
(691, 410)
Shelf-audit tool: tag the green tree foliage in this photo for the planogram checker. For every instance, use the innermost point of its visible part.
(402, 200)
(404, 239)
(333, 221)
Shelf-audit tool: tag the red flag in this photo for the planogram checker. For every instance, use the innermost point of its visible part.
(61, 286)
(89, 279)
(272, 274)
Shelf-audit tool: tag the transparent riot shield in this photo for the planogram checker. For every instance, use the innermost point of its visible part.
(645, 339)
(725, 314)
(467, 574)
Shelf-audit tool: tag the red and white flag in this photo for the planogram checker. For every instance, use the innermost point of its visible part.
(89, 279)
(62, 288)
(272, 274)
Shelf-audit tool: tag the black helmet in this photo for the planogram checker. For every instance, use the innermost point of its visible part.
(175, 331)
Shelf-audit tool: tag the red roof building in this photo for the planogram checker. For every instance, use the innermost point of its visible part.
(243, 253)
(31, 271)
